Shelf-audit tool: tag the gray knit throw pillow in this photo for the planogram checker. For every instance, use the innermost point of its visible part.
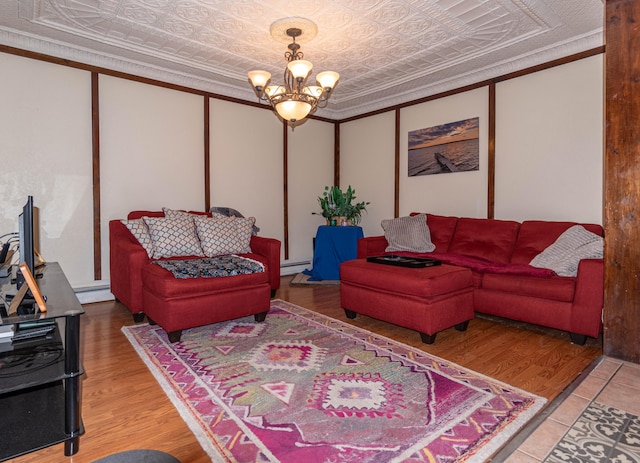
(564, 255)
(408, 234)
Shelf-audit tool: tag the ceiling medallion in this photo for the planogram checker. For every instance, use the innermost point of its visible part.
(294, 100)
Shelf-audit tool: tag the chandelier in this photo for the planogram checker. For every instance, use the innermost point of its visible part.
(295, 99)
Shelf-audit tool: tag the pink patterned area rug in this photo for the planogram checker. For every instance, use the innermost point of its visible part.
(302, 387)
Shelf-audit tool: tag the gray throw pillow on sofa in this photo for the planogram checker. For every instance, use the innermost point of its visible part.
(224, 235)
(173, 237)
(408, 234)
(140, 231)
(564, 255)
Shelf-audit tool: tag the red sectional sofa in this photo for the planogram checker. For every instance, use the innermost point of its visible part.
(176, 304)
(498, 253)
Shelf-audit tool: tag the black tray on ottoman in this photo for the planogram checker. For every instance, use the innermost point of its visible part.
(404, 261)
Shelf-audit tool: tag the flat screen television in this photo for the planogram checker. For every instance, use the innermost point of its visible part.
(27, 252)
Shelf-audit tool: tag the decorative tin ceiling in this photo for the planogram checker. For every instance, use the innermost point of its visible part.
(386, 51)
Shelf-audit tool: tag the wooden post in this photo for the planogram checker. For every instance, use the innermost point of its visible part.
(622, 181)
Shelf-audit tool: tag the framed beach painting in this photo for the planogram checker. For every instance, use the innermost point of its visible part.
(451, 147)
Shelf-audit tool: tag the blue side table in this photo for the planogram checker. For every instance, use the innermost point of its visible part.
(334, 245)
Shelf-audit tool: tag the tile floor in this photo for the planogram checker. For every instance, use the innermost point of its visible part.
(595, 420)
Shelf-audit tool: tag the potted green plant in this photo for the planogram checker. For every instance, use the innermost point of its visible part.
(339, 206)
(353, 210)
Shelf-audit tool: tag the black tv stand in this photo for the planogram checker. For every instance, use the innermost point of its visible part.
(40, 399)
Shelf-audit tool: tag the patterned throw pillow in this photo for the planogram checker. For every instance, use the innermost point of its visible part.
(564, 255)
(140, 231)
(408, 234)
(224, 235)
(173, 213)
(173, 236)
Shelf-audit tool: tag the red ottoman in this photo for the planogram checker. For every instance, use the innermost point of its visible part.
(177, 304)
(427, 300)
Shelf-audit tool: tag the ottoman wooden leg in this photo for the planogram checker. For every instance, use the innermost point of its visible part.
(138, 317)
(428, 338)
(462, 326)
(260, 317)
(174, 336)
(350, 314)
(579, 339)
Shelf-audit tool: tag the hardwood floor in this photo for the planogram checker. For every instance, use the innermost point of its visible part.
(124, 408)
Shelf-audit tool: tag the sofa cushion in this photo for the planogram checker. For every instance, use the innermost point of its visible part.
(536, 235)
(555, 288)
(485, 238)
(564, 255)
(441, 228)
(224, 235)
(408, 234)
(140, 231)
(173, 237)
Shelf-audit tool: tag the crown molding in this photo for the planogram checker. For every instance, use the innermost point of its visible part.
(414, 90)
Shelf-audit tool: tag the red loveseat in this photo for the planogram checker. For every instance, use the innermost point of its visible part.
(176, 304)
(498, 253)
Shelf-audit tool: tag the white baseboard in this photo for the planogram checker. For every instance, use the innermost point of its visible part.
(293, 269)
(94, 295)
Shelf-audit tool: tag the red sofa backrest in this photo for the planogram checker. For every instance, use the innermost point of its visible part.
(536, 235)
(441, 228)
(485, 238)
(137, 214)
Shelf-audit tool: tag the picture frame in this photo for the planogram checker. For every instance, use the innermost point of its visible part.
(32, 286)
(447, 148)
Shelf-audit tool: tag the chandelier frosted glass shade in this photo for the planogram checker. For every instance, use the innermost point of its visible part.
(294, 100)
(328, 79)
(259, 78)
(299, 68)
(292, 110)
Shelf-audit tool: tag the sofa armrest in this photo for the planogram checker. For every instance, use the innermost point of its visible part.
(371, 246)
(269, 248)
(126, 259)
(588, 301)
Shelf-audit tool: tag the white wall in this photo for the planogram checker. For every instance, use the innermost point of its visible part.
(151, 151)
(461, 194)
(367, 163)
(549, 143)
(45, 150)
(246, 164)
(548, 156)
(310, 168)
